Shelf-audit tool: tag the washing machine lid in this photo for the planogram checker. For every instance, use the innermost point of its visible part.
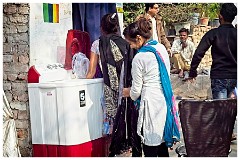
(65, 83)
(43, 73)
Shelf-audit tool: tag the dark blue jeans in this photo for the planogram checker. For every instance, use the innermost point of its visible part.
(223, 88)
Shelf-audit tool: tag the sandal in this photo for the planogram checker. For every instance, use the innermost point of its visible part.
(180, 75)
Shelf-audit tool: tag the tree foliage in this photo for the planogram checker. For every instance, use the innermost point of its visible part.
(175, 12)
(172, 12)
(131, 11)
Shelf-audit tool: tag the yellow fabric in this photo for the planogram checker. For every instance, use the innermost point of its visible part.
(179, 62)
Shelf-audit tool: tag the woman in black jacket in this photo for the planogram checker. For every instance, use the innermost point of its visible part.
(115, 54)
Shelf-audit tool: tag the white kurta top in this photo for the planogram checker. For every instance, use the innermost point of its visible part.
(146, 82)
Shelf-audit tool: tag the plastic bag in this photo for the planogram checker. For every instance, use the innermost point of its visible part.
(80, 65)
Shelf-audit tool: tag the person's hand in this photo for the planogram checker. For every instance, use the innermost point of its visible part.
(126, 92)
(232, 96)
(169, 52)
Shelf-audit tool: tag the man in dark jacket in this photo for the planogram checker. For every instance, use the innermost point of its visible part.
(224, 54)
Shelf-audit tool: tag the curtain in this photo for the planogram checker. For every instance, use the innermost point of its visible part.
(87, 17)
(10, 140)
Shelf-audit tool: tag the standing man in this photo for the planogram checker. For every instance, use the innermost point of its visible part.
(182, 50)
(158, 33)
(224, 54)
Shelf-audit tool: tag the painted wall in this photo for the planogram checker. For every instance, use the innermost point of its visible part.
(48, 40)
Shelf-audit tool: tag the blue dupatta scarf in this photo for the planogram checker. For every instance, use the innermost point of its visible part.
(171, 130)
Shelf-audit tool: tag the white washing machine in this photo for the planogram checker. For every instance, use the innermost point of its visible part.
(66, 114)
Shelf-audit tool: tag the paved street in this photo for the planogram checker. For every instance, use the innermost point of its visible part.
(234, 143)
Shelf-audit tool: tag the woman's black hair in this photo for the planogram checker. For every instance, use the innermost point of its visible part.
(141, 27)
(109, 23)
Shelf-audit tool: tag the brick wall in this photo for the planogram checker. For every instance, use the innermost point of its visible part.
(15, 68)
(198, 32)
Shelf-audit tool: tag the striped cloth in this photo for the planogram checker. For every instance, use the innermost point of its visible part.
(51, 13)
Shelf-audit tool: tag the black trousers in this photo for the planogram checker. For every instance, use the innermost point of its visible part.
(156, 151)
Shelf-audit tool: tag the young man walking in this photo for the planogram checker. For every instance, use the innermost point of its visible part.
(223, 41)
